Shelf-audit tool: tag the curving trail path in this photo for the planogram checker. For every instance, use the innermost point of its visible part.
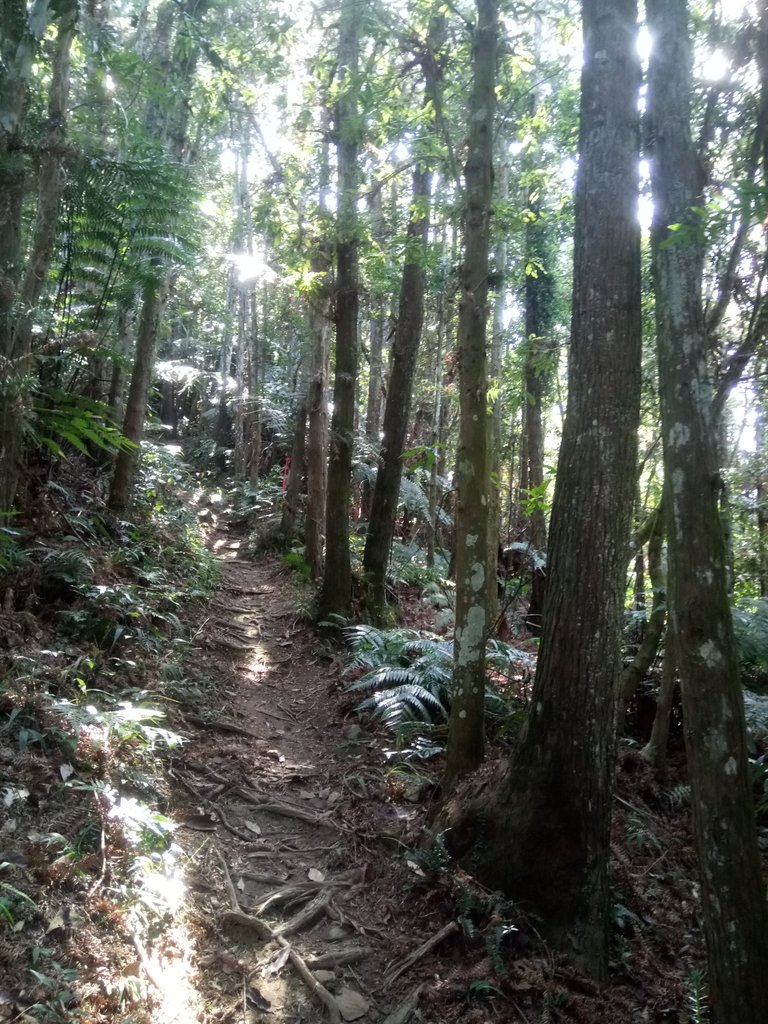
(297, 902)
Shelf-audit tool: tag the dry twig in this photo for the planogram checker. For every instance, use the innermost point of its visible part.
(450, 929)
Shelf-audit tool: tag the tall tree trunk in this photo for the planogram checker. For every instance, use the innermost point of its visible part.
(761, 491)
(466, 726)
(376, 335)
(539, 316)
(647, 649)
(20, 35)
(317, 401)
(554, 797)
(495, 371)
(655, 750)
(317, 411)
(436, 434)
(410, 319)
(298, 465)
(121, 488)
(732, 889)
(336, 592)
(168, 126)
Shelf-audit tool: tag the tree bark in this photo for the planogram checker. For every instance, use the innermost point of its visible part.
(121, 487)
(539, 298)
(554, 797)
(21, 34)
(168, 126)
(466, 726)
(655, 750)
(397, 411)
(336, 591)
(317, 411)
(732, 891)
(495, 371)
(634, 673)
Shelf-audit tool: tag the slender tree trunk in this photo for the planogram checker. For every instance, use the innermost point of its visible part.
(636, 671)
(655, 750)
(466, 726)
(732, 890)
(20, 35)
(336, 592)
(761, 492)
(539, 300)
(376, 337)
(436, 435)
(397, 412)
(121, 488)
(168, 126)
(298, 466)
(495, 371)
(554, 798)
(317, 411)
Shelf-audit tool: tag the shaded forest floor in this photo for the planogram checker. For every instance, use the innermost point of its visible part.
(290, 876)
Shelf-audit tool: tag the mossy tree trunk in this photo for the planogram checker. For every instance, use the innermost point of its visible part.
(466, 729)
(540, 832)
(732, 889)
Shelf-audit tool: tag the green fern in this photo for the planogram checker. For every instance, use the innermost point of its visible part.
(411, 675)
(697, 997)
(679, 796)
(750, 627)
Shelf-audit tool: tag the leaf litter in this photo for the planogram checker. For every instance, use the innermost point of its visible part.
(360, 926)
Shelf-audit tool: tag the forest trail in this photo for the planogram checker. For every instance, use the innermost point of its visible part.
(296, 909)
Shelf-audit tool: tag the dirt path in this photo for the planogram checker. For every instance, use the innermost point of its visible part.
(295, 898)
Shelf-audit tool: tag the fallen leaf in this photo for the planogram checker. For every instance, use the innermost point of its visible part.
(415, 868)
(252, 826)
(59, 920)
(255, 998)
(277, 962)
(351, 1004)
(315, 876)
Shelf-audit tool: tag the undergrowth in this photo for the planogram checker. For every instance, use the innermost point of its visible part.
(407, 676)
(95, 640)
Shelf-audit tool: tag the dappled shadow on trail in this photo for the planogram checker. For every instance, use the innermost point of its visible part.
(308, 898)
(295, 902)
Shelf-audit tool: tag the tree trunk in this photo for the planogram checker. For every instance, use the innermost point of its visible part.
(761, 491)
(336, 592)
(655, 750)
(397, 411)
(21, 34)
(466, 726)
(732, 891)
(539, 314)
(376, 335)
(555, 796)
(168, 126)
(121, 488)
(317, 411)
(495, 371)
(636, 671)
